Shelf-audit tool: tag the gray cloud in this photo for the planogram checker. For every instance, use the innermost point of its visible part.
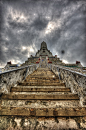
(39, 23)
(26, 23)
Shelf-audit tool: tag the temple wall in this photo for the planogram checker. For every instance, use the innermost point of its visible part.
(47, 52)
(55, 60)
(31, 60)
(76, 81)
(10, 78)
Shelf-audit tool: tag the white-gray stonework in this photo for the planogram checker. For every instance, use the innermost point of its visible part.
(43, 51)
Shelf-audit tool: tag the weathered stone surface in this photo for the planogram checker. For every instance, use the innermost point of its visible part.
(19, 111)
(41, 103)
(10, 78)
(74, 80)
(57, 110)
(40, 84)
(43, 51)
(41, 123)
(42, 96)
(23, 89)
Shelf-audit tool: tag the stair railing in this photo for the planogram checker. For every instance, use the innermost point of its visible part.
(73, 79)
(11, 77)
(58, 73)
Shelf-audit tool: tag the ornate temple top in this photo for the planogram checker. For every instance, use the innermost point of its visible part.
(43, 45)
(43, 51)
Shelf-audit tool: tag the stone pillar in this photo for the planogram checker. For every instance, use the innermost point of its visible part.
(40, 62)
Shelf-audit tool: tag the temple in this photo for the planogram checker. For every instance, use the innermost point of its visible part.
(44, 53)
(41, 55)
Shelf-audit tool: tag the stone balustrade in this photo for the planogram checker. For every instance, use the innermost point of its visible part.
(11, 77)
(75, 80)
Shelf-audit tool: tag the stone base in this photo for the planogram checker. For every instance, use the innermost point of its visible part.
(42, 123)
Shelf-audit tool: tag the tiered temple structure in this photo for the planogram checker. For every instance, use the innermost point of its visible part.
(41, 55)
(44, 53)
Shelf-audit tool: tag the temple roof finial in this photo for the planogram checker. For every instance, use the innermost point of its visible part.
(43, 45)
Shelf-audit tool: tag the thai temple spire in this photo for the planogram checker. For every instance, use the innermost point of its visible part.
(43, 51)
(43, 45)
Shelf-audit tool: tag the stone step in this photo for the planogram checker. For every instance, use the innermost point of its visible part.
(48, 89)
(42, 77)
(40, 84)
(43, 73)
(41, 103)
(43, 70)
(47, 112)
(41, 80)
(41, 93)
(41, 97)
(20, 86)
(50, 75)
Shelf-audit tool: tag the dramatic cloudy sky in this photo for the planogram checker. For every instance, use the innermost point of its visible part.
(24, 24)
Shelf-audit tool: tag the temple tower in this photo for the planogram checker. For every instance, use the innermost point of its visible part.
(43, 51)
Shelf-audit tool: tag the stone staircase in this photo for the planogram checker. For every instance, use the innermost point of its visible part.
(41, 98)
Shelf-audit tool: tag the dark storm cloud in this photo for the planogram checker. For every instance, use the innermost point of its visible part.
(17, 25)
(40, 23)
(26, 23)
(2, 56)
